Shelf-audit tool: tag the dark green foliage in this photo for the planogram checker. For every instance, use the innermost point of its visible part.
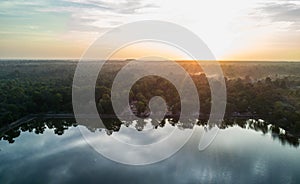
(270, 91)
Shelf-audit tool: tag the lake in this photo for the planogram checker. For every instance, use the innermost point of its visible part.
(55, 152)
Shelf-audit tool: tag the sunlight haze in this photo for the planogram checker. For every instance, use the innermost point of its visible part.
(233, 30)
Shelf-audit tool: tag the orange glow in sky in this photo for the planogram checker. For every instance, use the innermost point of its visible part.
(233, 29)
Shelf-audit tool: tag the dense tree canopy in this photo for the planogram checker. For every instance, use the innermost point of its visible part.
(270, 91)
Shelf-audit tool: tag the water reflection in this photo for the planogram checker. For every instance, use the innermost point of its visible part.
(59, 126)
(37, 126)
(61, 155)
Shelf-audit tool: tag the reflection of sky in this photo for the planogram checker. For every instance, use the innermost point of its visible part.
(149, 135)
(236, 156)
(134, 147)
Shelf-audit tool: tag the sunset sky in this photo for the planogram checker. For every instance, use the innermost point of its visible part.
(232, 29)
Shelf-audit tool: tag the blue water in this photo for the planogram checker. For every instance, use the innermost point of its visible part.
(236, 156)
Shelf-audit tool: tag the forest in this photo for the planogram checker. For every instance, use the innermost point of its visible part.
(257, 90)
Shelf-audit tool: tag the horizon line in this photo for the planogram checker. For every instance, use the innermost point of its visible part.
(124, 59)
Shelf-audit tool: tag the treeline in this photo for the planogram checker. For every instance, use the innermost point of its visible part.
(21, 97)
(60, 126)
(276, 101)
(35, 87)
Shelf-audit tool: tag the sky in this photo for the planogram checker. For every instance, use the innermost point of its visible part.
(232, 29)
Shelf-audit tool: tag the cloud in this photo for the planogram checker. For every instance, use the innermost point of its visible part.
(79, 15)
(282, 11)
(95, 15)
(122, 7)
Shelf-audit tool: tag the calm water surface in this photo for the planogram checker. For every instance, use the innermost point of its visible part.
(236, 156)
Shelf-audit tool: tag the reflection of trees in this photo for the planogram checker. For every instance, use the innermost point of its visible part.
(11, 135)
(59, 126)
(38, 126)
(252, 92)
(262, 126)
